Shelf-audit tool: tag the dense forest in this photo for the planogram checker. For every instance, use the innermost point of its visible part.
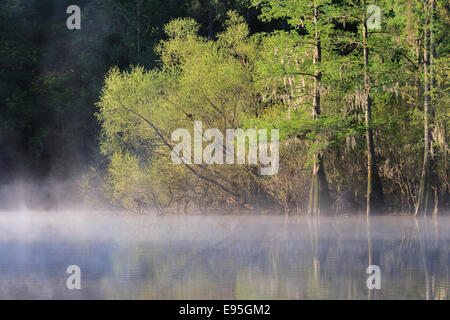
(358, 91)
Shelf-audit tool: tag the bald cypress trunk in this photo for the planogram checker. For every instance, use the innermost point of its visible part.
(374, 193)
(426, 197)
(319, 196)
(424, 189)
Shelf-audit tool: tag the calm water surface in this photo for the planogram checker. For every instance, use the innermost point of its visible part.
(206, 257)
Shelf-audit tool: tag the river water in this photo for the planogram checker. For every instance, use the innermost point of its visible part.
(222, 257)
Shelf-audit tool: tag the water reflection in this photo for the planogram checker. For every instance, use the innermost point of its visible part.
(224, 257)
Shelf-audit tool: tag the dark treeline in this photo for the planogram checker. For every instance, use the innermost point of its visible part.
(50, 77)
(362, 109)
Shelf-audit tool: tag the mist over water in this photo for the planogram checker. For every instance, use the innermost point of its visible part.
(88, 117)
(221, 257)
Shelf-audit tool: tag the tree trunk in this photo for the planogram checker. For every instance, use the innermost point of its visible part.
(424, 201)
(434, 178)
(319, 196)
(374, 194)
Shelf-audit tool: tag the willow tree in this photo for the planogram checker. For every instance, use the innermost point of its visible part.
(199, 79)
(309, 35)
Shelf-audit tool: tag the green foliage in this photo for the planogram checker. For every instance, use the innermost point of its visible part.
(265, 81)
(199, 79)
(168, 63)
